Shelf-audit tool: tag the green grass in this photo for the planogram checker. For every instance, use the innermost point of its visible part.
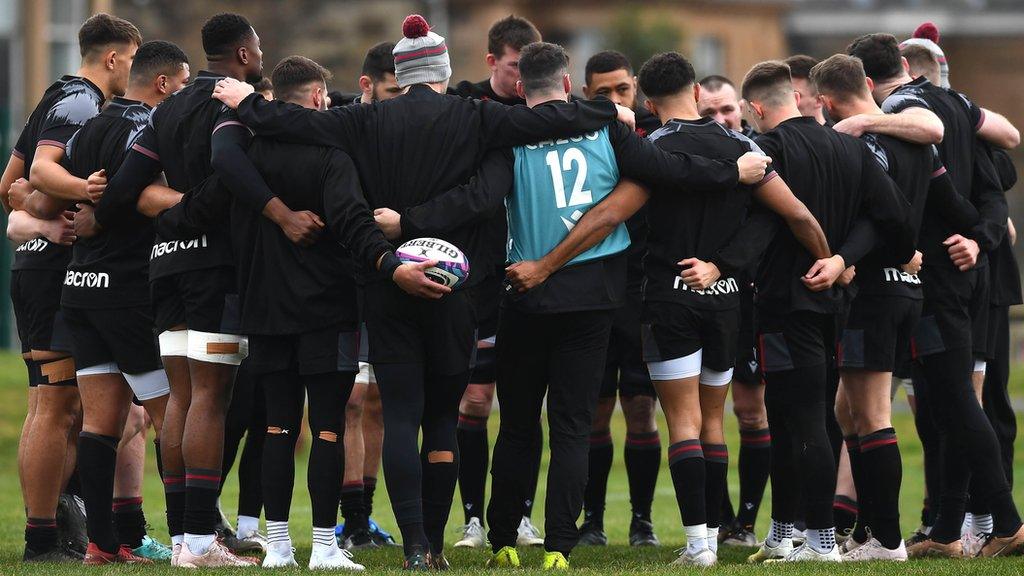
(616, 559)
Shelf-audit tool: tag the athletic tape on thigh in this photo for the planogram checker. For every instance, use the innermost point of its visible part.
(709, 377)
(215, 348)
(174, 343)
(149, 385)
(59, 372)
(980, 366)
(676, 368)
(106, 368)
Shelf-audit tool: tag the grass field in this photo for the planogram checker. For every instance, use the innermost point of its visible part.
(616, 559)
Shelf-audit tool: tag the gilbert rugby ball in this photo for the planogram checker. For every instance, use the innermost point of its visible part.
(452, 267)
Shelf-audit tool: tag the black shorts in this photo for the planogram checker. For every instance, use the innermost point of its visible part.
(625, 372)
(982, 340)
(795, 340)
(878, 332)
(201, 300)
(486, 298)
(746, 369)
(123, 336)
(332, 349)
(946, 322)
(35, 296)
(674, 330)
(405, 329)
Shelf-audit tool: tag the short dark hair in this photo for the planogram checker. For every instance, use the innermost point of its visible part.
(157, 57)
(714, 83)
(379, 61)
(922, 61)
(542, 66)
(880, 54)
(225, 32)
(666, 74)
(767, 82)
(294, 73)
(607, 61)
(102, 30)
(840, 77)
(511, 31)
(800, 65)
(264, 85)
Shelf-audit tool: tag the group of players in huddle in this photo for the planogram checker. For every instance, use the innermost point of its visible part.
(216, 256)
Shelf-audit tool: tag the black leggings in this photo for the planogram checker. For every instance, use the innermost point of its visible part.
(420, 479)
(285, 393)
(967, 438)
(247, 416)
(802, 454)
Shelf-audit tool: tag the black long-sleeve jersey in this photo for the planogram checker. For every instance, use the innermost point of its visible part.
(646, 124)
(1006, 289)
(482, 90)
(699, 225)
(961, 118)
(412, 148)
(936, 212)
(190, 136)
(65, 106)
(289, 289)
(839, 180)
(111, 269)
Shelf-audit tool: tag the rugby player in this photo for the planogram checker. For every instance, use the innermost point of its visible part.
(106, 44)
(800, 66)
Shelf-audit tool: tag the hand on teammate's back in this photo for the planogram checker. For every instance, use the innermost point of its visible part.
(914, 266)
(61, 230)
(389, 222)
(20, 189)
(411, 278)
(302, 227)
(846, 278)
(231, 92)
(96, 184)
(854, 125)
(824, 273)
(963, 251)
(626, 116)
(698, 274)
(752, 166)
(527, 274)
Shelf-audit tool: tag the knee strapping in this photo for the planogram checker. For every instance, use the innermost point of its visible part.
(278, 431)
(229, 349)
(173, 343)
(149, 385)
(328, 436)
(107, 368)
(440, 457)
(60, 372)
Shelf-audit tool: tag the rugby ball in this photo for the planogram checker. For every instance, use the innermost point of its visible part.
(452, 267)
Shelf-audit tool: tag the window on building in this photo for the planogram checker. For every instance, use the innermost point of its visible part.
(708, 55)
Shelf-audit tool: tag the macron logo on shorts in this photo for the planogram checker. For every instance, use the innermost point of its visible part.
(894, 275)
(33, 245)
(720, 288)
(164, 248)
(87, 279)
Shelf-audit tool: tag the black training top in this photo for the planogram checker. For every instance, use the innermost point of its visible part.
(839, 180)
(483, 91)
(646, 124)
(65, 106)
(111, 269)
(190, 136)
(961, 119)
(700, 226)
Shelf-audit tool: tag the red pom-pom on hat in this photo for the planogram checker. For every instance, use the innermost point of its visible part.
(929, 31)
(415, 26)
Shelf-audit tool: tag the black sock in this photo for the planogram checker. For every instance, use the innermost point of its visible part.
(202, 486)
(369, 487)
(642, 457)
(353, 508)
(41, 534)
(716, 466)
(538, 449)
(323, 479)
(129, 521)
(97, 458)
(439, 480)
(474, 451)
(880, 458)
(174, 495)
(686, 463)
(726, 515)
(74, 485)
(602, 451)
(754, 466)
(860, 479)
(845, 510)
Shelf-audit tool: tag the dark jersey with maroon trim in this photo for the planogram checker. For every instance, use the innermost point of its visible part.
(65, 106)
(686, 225)
(839, 180)
(646, 124)
(483, 91)
(111, 269)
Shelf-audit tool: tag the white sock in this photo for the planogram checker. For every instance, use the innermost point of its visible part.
(778, 532)
(713, 539)
(696, 538)
(324, 536)
(247, 526)
(277, 532)
(982, 524)
(198, 544)
(175, 540)
(966, 527)
(821, 541)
